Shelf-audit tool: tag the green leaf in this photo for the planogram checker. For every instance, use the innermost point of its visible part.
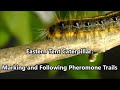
(62, 15)
(37, 27)
(4, 38)
(52, 73)
(18, 23)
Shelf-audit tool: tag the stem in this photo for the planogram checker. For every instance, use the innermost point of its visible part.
(17, 55)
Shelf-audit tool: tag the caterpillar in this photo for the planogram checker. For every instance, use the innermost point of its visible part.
(85, 28)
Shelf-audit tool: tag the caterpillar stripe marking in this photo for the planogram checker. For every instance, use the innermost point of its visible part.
(86, 29)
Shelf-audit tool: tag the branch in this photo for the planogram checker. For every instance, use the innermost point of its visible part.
(17, 55)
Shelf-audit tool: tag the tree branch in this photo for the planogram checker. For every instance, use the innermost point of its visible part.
(17, 55)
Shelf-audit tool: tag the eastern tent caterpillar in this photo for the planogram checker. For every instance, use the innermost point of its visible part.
(86, 29)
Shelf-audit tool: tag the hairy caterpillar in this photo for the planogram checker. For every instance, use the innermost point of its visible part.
(85, 28)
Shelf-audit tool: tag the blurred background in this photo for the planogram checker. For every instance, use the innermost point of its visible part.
(25, 27)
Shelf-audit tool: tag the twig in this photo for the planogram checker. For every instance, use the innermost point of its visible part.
(17, 55)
